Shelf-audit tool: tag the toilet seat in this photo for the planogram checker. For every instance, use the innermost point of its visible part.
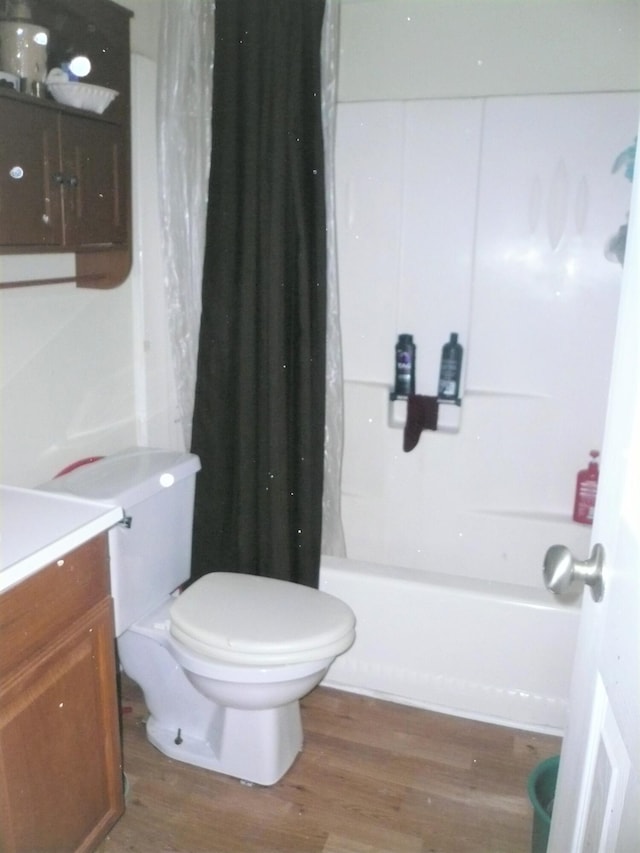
(259, 621)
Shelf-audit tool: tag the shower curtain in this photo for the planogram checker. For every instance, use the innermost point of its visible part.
(259, 415)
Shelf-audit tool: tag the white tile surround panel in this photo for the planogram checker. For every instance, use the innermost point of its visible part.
(489, 217)
(406, 181)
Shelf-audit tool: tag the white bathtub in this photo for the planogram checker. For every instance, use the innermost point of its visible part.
(490, 651)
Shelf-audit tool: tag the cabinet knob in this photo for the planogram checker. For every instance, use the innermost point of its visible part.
(16, 172)
(62, 180)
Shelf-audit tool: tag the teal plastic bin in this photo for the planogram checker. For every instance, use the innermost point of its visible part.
(542, 791)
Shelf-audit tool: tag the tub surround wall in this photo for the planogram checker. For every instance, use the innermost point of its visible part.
(499, 229)
(488, 217)
(488, 501)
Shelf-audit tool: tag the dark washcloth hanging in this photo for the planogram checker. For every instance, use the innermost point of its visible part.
(422, 413)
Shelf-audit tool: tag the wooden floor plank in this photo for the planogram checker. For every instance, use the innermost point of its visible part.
(374, 777)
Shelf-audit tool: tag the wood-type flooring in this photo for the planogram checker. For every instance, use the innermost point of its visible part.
(373, 777)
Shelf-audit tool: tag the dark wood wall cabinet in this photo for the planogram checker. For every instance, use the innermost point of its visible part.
(65, 173)
(61, 783)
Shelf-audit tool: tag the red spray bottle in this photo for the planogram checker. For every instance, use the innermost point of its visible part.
(586, 489)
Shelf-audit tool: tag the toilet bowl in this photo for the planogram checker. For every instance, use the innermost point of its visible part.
(223, 665)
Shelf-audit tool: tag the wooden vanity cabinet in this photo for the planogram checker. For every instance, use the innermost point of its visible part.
(61, 784)
(65, 173)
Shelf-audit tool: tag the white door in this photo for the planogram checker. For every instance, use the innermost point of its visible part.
(597, 804)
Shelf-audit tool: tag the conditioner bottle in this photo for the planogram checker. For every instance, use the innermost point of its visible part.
(450, 371)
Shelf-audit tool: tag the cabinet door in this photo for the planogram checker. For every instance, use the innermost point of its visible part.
(60, 768)
(30, 192)
(95, 180)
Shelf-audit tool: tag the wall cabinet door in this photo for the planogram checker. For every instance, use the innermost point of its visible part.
(30, 192)
(95, 180)
(63, 180)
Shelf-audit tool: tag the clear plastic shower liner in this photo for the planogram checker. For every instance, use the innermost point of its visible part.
(332, 531)
(185, 81)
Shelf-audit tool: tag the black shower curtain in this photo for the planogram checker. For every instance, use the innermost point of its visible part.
(258, 423)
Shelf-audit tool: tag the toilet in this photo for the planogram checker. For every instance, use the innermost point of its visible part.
(224, 664)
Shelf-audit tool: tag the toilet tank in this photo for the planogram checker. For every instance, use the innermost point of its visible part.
(150, 553)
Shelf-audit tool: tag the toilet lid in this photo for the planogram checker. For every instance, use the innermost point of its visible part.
(260, 621)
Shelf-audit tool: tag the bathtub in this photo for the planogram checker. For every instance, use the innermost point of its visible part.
(495, 652)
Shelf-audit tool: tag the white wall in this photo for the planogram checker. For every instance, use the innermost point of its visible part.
(66, 377)
(489, 500)
(397, 49)
(145, 26)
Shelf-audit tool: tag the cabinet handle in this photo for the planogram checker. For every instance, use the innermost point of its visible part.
(16, 172)
(60, 180)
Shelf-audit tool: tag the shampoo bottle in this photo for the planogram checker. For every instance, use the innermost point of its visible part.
(450, 370)
(405, 383)
(586, 489)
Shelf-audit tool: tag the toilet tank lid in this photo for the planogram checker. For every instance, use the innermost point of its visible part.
(128, 477)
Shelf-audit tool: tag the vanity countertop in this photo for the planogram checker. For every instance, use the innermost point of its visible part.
(37, 528)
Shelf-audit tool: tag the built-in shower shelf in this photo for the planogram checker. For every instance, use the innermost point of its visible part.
(449, 415)
(540, 516)
(501, 392)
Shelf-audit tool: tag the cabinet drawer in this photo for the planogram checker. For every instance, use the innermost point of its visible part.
(41, 607)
